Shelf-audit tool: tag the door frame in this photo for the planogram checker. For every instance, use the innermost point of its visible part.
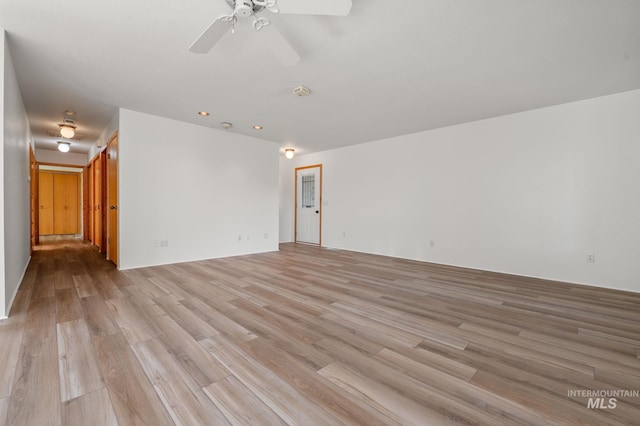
(34, 189)
(295, 203)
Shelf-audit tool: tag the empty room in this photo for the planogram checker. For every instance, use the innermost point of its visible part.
(320, 212)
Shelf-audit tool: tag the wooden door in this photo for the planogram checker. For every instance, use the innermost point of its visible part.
(86, 204)
(45, 199)
(308, 204)
(35, 204)
(66, 214)
(90, 198)
(97, 195)
(112, 198)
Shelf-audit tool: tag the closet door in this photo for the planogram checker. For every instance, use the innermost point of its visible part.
(45, 201)
(66, 204)
(59, 203)
(88, 215)
(97, 203)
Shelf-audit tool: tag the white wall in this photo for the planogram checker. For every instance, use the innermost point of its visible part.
(530, 194)
(4, 50)
(207, 192)
(57, 157)
(15, 139)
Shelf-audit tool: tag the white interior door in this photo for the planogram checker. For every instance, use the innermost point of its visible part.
(308, 204)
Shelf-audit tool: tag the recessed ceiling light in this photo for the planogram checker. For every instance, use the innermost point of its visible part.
(203, 113)
(257, 127)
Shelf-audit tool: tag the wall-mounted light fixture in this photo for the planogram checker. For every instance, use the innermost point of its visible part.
(289, 152)
(64, 146)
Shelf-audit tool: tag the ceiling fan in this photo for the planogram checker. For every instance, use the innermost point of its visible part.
(241, 9)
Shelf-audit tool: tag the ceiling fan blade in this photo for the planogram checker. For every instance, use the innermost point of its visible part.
(211, 35)
(279, 45)
(315, 7)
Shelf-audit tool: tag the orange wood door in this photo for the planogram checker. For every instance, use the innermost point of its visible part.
(45, 199)
(112, 198)
(97, 203)
(89, 201)
(34, 189)
(66, 205)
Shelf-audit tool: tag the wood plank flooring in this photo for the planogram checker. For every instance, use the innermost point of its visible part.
(310, 336)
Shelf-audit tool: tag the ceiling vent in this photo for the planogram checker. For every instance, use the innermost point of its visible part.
(301, 91)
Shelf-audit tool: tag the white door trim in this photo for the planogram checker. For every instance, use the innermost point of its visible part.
(295, 204)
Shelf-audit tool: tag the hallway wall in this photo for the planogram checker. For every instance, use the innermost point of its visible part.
(15, 138)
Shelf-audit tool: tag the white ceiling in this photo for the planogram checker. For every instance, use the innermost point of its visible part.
(386, 69)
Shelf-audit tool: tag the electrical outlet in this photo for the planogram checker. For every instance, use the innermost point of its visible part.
(591, 258)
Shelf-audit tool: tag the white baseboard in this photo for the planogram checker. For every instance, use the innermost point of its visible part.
(15, 293)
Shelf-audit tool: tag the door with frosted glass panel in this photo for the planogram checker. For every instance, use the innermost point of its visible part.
(308, 204)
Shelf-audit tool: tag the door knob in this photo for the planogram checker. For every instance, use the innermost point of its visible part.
(317, 211)
(113, 207)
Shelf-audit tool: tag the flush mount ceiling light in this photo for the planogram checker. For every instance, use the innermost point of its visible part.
(68, 125)
(67, 130)
(64, 146)
(288, 152)
(226, 125)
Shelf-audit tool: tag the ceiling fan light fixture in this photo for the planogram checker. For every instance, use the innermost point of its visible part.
(243, 8)
(289, 152)
(64, 146)
(67, 130)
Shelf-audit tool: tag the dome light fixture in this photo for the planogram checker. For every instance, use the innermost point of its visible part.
(67, 130)
(289, 152)
(64, 146)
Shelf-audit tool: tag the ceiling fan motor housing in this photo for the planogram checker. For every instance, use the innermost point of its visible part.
(243, 8)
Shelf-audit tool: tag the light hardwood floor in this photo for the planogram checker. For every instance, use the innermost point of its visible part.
(310, 336)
